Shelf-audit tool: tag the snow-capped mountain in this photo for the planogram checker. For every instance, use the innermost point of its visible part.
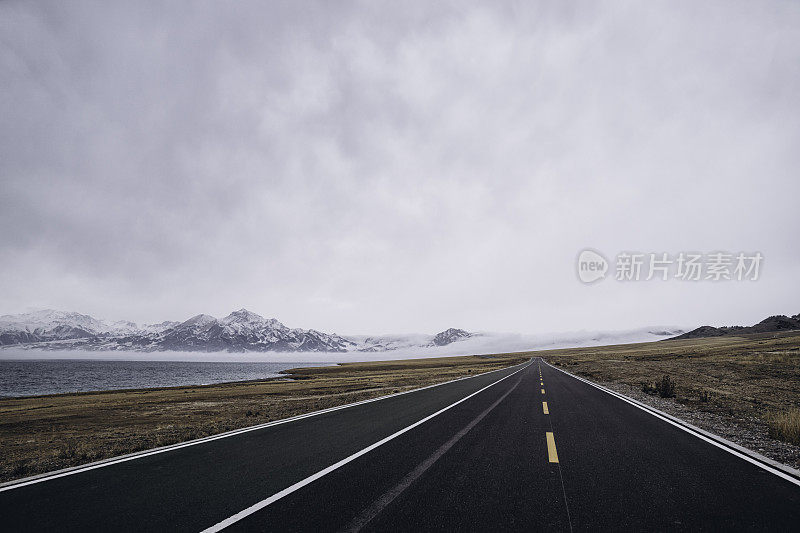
(242, 330)
(56, 324)
(382, 343)
(49, 325)
(449, 336)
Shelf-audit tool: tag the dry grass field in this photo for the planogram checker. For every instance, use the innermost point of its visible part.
(45, 433)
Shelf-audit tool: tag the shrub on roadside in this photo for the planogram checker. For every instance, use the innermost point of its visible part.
(664, 388)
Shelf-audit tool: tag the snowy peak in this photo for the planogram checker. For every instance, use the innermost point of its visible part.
(449, 336)
(243, 315)
(198, 321)
(247, 318)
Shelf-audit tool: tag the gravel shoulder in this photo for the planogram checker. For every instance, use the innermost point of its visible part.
(751, 433)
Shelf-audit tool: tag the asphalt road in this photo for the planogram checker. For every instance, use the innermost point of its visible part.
(499, 459)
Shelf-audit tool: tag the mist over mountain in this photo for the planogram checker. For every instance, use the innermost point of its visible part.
(245, 331)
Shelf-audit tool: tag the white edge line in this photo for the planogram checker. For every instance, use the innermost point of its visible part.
(709, 437)
(302, 483)
(24, 482)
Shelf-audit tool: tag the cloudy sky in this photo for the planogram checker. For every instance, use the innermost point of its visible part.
(396, 167)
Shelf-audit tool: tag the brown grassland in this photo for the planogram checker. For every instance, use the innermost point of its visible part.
(44, 433)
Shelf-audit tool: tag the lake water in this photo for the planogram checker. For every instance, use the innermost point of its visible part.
(52, 376)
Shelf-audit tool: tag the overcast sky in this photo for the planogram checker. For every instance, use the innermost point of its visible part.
(396, 167)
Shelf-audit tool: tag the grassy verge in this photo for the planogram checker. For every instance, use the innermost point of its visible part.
(785, 425)
(45, 433)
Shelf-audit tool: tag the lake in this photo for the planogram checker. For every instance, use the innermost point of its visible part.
(53, 376)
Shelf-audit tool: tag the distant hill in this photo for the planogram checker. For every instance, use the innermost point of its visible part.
(768, 325)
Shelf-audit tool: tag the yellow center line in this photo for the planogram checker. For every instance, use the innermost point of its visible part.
(545, 409)
(542, 391)
(551, 448)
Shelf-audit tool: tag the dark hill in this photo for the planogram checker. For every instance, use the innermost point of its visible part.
(768, 325)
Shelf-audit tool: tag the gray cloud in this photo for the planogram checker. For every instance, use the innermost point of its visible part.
(366, 168)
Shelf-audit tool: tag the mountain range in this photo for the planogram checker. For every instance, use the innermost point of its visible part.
(240, 331)
(768, 325)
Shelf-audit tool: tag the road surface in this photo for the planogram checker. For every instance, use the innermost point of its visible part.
(524, 448)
